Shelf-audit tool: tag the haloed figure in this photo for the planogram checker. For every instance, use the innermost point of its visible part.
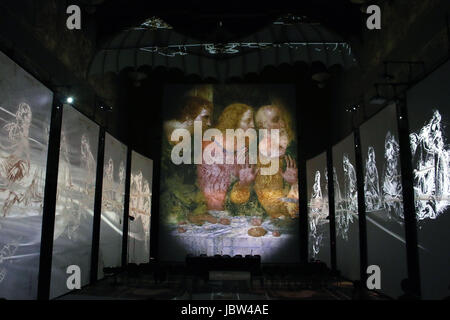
(371, 183)
(215, 179)
(278, 192)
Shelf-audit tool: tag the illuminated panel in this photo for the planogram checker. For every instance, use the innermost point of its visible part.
(225, 207)
(75, 199)
(384, 199)
(140, 209)
(113, 196)
(428, 113)
(25, 109)
(318, 209)
(346, 208)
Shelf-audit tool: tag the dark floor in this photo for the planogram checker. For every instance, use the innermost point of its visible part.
(179, 286)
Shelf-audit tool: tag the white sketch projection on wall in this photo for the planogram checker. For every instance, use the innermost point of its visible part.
(428, 105)
(387, 193)
(392, 191)
(25, 110)
(75, 198)
(430, 169)
(316, 214)
(113, 196)
(318, 208)
(346, 203)
(383, 195)
(371, 183)
(346, 208)
(140, 209)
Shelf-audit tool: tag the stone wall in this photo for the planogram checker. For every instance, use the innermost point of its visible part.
(40, 41)
(411, 31)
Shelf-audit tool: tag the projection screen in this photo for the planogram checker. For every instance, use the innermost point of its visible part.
(140, 209)
(346, 208)
(429, 114)
(113, 196)
(318, 209)
(25, 111)
(384, 199)
(229, 178)
(75, 199)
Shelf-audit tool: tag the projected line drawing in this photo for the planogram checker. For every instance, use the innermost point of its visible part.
(20, 181)
(350, 187)
(392, 184)
(372, 192)
(113, 193)
(337, 188)
(346, 205)
(430, 158)
(140, 204)
(7, 251)
(75, 188)
(140, 195)
(87, 163)
(25, 113)
(318, 213)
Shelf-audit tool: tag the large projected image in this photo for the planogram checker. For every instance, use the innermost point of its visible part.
(75, 199)
(346, 208)
(113, 196)
(25, 109)
(140, 209)
(229, 181)
(318, 208)
(429, 110)
(384, 199)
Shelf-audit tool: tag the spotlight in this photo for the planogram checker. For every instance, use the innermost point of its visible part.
(104, 107)
(69, 100)
(352, 108)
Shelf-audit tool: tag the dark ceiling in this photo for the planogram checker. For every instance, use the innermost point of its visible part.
(223, 20)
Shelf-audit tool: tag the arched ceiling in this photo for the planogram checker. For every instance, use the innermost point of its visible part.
(199, 19)
(223, 42)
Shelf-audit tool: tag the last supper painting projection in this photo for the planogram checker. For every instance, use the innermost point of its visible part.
(229, 177)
